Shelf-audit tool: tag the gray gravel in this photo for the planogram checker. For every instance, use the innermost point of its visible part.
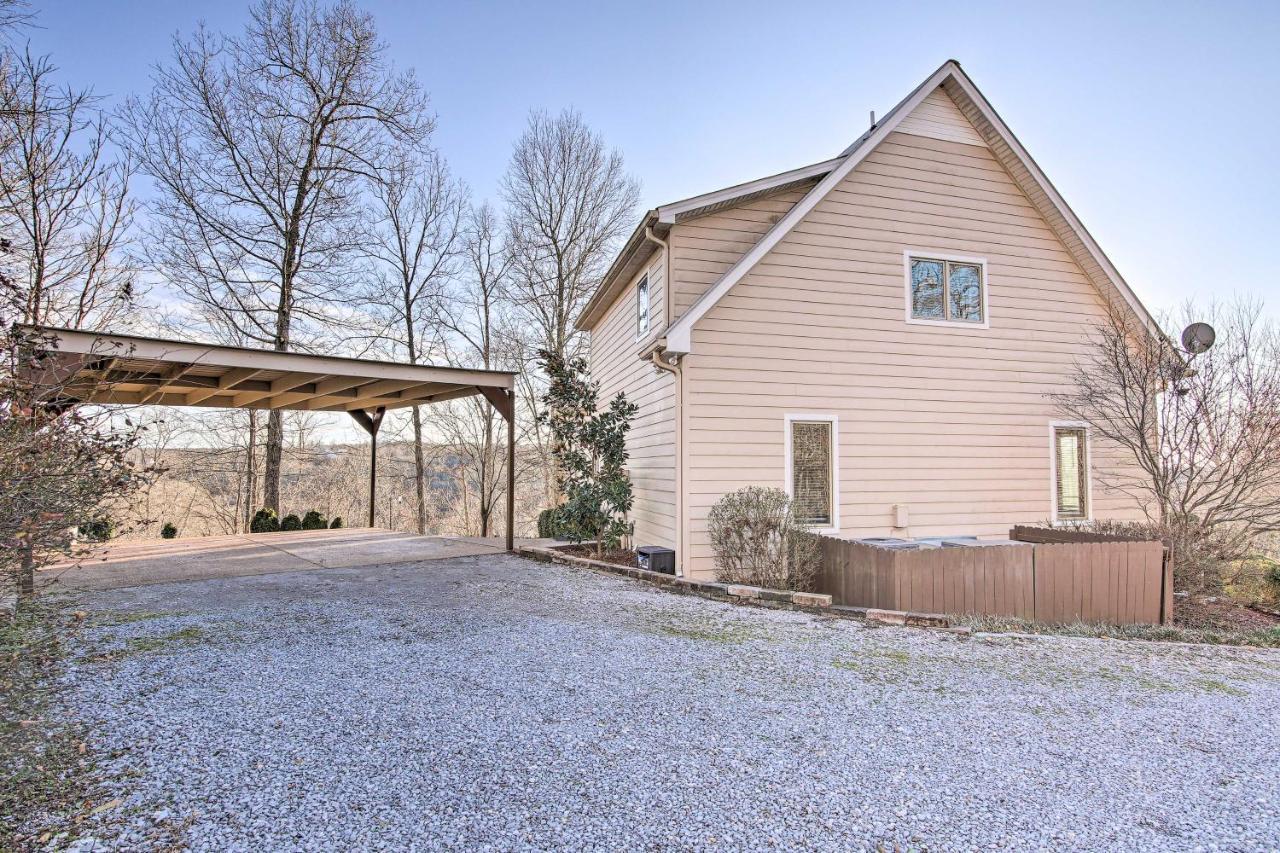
(496, 703)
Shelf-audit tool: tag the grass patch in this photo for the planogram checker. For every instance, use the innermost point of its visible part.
(44, 760)
(1267, 638)
(1214, 685)
(708, 634)
(183, 637)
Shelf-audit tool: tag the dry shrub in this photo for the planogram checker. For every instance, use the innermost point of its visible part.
(758, 540)
(1203, 557)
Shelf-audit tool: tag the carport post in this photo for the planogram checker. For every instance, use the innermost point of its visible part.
(504, 400)
(511, 471)
(371, 424)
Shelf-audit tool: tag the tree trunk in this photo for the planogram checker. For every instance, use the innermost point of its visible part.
(27, 573)
(419, 472)
(251, 470)
(271, 470)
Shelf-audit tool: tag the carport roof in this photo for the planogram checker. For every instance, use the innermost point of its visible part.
(96, 367)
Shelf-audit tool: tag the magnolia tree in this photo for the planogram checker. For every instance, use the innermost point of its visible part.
(1200, 434)
(590, 449)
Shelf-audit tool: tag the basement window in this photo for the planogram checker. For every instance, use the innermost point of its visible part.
(642, 307)
(946, 290)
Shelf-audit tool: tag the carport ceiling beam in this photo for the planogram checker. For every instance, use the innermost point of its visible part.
(226, 382)
(279, 386)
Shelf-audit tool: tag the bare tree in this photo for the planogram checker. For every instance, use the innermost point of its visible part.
(569, 201)
(418, 246)
(1202, 433)
(260, 146)
(473, 315)
(59, 462)
(64, 203)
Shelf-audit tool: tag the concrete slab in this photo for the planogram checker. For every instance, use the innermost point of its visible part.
(128, 564)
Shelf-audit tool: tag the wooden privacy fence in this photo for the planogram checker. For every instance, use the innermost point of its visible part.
(1116, 582)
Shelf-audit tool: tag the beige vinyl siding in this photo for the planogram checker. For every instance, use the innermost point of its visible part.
(938, 117)
(615, 363)
(703, 249)
(952, 422)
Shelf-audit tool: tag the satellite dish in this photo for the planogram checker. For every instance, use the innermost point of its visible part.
(1198, 337)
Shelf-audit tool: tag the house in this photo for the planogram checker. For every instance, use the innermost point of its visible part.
(878, 333)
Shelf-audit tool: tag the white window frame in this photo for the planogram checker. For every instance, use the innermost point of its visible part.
(647, 316)
(932, 255)
(809, 417)
(1054, 426)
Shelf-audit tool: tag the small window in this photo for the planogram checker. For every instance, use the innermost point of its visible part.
(1071, 473)
(642, 307)
(812, 472)
(946, 291)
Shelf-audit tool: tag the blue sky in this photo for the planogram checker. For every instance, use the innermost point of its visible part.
(1158, 122)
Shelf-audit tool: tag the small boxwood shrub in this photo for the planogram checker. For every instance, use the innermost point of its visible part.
(169, 531)
(97, 529)
(336, 524)
(264, 521)
(551, 524)
(290, 522)
(313, 520)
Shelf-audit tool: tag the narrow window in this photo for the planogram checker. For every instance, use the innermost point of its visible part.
(1072, 473)
(642, 306)
(812, 472)
(949, 291)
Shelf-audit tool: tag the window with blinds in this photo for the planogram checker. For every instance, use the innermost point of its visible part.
(1072, 483)
(811, 472)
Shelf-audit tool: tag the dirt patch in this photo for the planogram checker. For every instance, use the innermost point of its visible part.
(1215, 614)
(617, 556)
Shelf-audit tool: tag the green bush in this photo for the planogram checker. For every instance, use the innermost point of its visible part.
(97, 529)
(590, 448)
(336, 524)
(290, 522)
(1273, 579)
(264, 521)
(551, 524)
(314, 521)
(169, 531)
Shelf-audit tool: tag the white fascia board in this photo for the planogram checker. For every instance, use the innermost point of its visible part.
(680, 333)
(668, 213)
(1047, 187)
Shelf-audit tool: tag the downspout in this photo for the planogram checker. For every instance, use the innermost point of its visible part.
(655, 357)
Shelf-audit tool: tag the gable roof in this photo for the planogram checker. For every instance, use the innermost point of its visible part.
(1004, 146)
(637, 250)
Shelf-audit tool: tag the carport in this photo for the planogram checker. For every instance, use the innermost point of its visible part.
(101, 368)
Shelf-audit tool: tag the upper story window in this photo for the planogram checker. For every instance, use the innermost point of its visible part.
(642, 307)
(1070, 473)
(946, 289)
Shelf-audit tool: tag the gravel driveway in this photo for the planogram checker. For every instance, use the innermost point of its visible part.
(495, 703)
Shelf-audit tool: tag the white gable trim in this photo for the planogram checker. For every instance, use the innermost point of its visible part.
(1060, 205)
(668, 213)
(679, 334)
